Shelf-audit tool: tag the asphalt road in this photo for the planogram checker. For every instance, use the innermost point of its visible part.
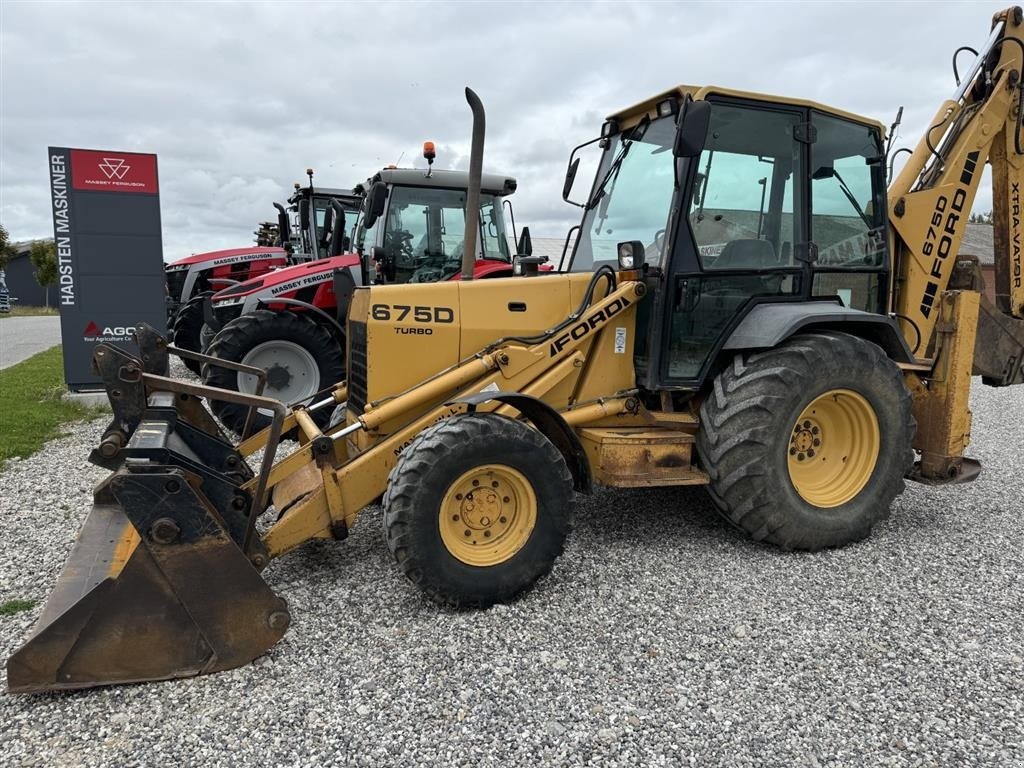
(22, 337)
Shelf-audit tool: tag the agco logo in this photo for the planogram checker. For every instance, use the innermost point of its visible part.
(107, 333)
(114, 167)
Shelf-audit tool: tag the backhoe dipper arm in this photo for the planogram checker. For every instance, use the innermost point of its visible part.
(930, 201)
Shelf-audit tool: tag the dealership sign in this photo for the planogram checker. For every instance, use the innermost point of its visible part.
(106, 228)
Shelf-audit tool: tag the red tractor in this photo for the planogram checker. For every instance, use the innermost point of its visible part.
(291, 322)
(190, 281)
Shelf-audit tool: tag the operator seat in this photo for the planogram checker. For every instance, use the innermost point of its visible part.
(747, 254)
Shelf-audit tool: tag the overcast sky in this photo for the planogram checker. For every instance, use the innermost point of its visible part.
(237, 100)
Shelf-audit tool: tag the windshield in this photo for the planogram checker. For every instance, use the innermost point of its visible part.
(424, 229)
(634, 201)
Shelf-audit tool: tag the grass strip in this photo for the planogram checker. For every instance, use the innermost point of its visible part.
(32, 406)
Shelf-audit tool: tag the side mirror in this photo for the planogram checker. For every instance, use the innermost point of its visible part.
(824, 172)
(525, 247)
(692, 129)
(631, 254)
(570, 177)
(375, 200)
(304, 214)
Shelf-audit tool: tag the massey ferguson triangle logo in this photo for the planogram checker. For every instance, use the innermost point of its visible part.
(92, 329)
(114, 167)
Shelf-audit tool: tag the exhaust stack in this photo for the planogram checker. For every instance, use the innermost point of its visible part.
(476, 169)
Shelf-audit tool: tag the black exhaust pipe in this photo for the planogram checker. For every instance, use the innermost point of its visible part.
(476, 167)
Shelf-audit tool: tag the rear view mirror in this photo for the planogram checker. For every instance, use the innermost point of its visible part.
(304, 214)
(375, 200)
(692, 129)
(570, 177)
(824, 172)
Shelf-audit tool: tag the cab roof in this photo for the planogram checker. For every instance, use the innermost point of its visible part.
(491, 183)
(346, 196)
(631, 115)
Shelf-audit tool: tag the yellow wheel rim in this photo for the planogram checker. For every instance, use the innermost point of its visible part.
(833, 448)
(487, 515)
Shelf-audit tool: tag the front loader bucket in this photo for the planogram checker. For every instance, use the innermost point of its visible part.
(163, 580)
(176, 600)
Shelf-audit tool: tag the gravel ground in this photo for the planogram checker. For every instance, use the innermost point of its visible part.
(663, 637)
(22, 337)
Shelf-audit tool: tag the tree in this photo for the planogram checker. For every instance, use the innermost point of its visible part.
(981, 218)
(43, 256)
(7, 251)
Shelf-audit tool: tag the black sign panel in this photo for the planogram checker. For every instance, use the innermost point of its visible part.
(106, 227)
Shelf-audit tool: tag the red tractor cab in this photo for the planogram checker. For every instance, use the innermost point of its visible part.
(302, 230)
(291, 322)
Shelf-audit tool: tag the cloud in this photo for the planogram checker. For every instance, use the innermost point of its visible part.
(237, 100)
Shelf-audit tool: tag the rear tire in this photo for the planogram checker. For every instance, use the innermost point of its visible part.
(467, 552)
(242, 335)
(188, 327)
(774, 419)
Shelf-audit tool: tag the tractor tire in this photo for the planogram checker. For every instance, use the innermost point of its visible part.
(187, 329)
(300, 357)
(467, 554)
(206, 334)
(807, 444)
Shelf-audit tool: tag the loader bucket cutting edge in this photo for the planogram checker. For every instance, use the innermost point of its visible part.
(155, 588)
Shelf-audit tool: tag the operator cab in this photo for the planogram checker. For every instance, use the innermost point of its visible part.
(412, 224)
(310, 227)
(775, 201)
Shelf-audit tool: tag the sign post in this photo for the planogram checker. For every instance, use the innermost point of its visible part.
(106, 229)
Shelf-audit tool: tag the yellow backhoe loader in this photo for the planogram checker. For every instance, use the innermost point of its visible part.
(747, 307)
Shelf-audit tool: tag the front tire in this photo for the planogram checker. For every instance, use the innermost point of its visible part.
(807, 444)
(300, 357)
(187, 330)
(477, 509)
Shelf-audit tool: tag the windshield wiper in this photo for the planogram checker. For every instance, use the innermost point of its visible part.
(613, 171)
(853, 200)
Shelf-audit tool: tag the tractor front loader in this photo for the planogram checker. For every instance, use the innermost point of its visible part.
(771, 322)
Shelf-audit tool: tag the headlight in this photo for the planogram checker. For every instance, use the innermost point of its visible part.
(228, 302)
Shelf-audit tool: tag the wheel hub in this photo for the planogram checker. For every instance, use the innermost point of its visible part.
(487, 515)
(278, 377)
(806, 440)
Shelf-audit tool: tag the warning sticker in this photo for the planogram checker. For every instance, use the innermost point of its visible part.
(620, 341)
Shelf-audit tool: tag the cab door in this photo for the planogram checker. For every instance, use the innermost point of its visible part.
(741, 235)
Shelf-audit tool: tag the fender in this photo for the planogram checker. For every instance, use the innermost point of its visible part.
(768, 325)
(549, 423)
